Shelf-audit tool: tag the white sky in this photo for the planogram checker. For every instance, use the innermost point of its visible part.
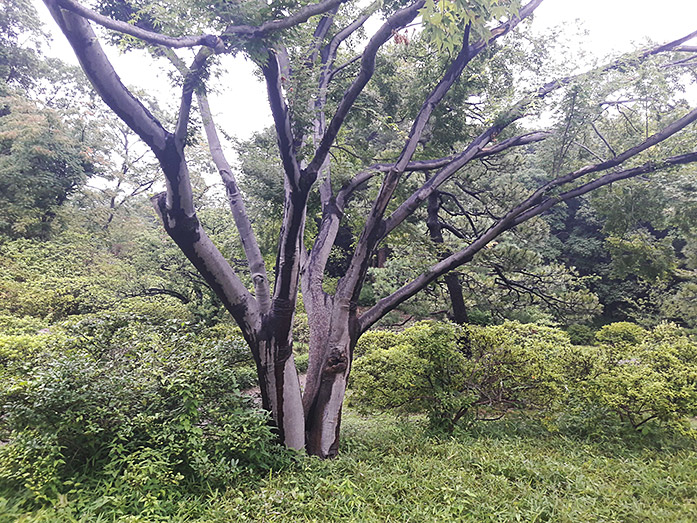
(612, 25)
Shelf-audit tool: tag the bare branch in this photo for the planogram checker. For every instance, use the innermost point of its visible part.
(429, 165)
(298, 18)
(396, 21)
(607, 144)
(151, 37)
(247, 237)
(646, 168)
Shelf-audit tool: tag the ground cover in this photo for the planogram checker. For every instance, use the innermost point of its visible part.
(390, 470)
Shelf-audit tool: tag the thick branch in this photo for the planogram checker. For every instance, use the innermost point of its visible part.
(103, 77)
(207, 40)
(151, 37)
(248, 239)
(281, 118)
(298, 18)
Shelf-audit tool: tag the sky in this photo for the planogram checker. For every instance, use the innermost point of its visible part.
(612, 26)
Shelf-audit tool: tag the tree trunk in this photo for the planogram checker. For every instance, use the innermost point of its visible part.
(435, 231)
(457, 300)
(280, 390)
(333, 335)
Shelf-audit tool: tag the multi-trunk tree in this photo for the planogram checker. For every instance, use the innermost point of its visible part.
(317, 59)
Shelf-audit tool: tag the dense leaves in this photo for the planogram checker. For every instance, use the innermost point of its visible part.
(139, 410)
(460, 374)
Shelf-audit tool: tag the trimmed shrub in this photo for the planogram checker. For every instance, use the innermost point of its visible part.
(456, 373)
(621, 333)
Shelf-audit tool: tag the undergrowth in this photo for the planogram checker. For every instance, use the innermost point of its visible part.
(390, 470)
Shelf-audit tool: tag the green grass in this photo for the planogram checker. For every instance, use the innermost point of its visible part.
(505, 471)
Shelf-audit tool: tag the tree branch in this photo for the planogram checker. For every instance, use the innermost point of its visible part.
(298, 18)
(248, 239)
(429, 165)
(510, 220)
(103, 77)
(646, 168)
(151, 37)
(397, 20)
(281, 118)
(211, 41)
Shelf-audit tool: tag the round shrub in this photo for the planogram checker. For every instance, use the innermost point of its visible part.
(456, 373)
(377, 339)
(620, 334)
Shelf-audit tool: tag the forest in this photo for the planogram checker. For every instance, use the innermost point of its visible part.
(455, 279)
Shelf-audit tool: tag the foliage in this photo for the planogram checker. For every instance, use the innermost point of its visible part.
(141, 412)
(19, 26)
(641, 376)
(620, 334)
(470, 373)
(580, 334)
(41, 164)
(460, 373)
(387, 471)
(25, 325)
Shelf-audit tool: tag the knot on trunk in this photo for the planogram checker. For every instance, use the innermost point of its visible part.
(336, 363)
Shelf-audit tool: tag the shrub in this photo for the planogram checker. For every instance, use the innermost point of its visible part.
(655, 379)
(377, 339)
(459, 373)
(456, 373)
(135, 407)
(620, 334)
(12, 325)
(581, 334)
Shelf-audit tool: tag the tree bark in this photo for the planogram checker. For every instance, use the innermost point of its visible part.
(333, 335)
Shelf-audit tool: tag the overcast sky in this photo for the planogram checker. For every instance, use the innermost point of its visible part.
(612, 25)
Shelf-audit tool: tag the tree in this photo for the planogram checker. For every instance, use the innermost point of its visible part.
(314, 85)
(41, 164)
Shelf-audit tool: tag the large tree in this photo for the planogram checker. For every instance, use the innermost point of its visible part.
(317, 67)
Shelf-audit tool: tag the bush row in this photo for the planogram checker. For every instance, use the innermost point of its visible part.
(460, 374)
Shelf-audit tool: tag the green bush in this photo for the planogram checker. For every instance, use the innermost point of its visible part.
(134, 408)
(581, 334)
(655, 379)
(456, 373)
(12, 325)
(377, 339)
(620, 334)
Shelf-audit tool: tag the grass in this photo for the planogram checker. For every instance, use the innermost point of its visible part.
(389, 470)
